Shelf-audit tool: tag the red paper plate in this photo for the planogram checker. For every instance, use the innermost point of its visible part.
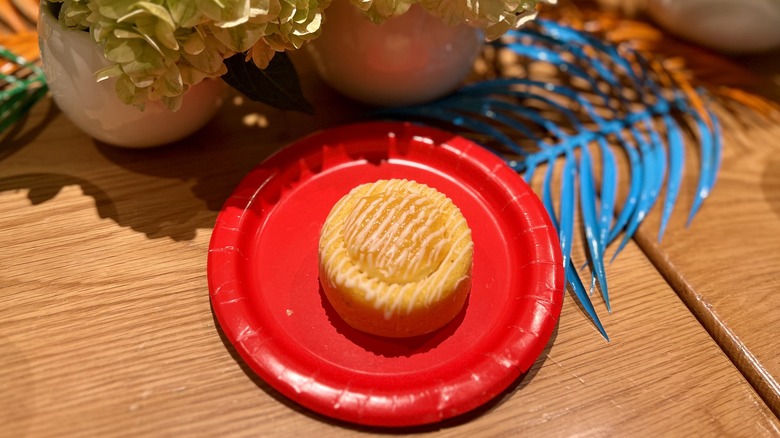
(262, 269)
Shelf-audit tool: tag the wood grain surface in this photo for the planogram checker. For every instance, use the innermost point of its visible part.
(726, 266)
(106, 327)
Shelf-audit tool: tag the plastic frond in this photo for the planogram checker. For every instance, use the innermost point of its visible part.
(591, 222)
(599, 102)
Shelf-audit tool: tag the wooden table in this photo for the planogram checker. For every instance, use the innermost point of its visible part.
(726, 267)
(106, 327)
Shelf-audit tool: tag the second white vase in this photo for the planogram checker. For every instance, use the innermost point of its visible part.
(408, 59)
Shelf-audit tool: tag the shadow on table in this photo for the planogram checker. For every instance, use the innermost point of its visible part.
(26, 130)
(171, 206)
(154, 215)
(181, 187)
(170, 191)
(43, 187)
(770, 184)
(517, 386)
(174, 182)
(766, 67)
(166, 192)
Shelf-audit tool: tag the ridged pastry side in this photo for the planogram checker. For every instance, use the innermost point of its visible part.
(395, 258)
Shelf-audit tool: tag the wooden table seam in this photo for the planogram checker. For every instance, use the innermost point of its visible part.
(765, 385)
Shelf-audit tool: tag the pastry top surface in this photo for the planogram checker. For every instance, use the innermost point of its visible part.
(396, 243)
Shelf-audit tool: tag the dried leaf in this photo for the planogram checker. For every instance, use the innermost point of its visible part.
(277, 85)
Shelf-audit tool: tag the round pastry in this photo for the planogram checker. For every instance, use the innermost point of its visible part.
(395, 258)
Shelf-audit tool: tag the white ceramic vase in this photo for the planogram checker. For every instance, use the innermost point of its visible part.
(70, 59)
(408, 59)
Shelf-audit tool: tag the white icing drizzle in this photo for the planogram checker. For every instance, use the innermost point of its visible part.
(386, 239)
(389, 235)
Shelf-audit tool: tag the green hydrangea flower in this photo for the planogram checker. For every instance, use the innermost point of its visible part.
(380, 10)
(495, 17)
(160, 48)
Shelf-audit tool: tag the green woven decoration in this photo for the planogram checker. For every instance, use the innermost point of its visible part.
(22, 84)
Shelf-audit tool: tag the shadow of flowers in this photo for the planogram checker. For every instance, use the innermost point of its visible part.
(166, 192)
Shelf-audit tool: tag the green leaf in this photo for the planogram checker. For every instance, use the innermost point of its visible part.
(277, 85)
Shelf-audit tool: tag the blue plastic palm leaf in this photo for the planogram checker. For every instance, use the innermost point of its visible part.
(592, 224)
(674, 141)
(710, 152)
(653, 170)
(609, 186)
(565, 231)
(602, 102)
